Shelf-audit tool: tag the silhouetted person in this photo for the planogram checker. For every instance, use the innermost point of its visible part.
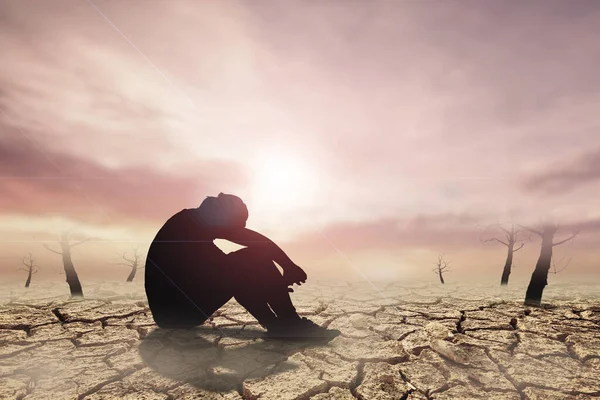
(188, 277)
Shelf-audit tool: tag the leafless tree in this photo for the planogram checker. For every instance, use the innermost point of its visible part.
(30, 268)
(441, 266)
(539, 277)
(132, 262)
(513, 243)
(66, 244)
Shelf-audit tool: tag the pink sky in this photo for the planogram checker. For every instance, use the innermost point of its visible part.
(370, 135)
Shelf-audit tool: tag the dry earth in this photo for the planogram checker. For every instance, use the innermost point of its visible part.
(397, 342)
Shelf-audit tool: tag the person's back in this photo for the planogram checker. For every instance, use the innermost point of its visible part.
(169, 280)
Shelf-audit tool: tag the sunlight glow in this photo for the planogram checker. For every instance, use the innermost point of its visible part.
(283, 183)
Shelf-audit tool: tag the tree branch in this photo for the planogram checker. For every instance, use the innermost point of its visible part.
(441, 265)
(54, 251)
(504, 229)
(79, 242)
(124, 264)
(556, 271)
(490, 227)
(518, 231)
(127, 259)
(519, 248)
(567, 239)
(497, 240)
(31, 261)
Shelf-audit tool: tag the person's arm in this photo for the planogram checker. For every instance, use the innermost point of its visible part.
(250, 238)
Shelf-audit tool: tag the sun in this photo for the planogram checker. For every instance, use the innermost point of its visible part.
(283, 183)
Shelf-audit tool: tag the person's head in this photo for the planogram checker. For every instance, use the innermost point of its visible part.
(223, 211)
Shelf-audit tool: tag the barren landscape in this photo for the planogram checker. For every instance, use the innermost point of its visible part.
(397, 342)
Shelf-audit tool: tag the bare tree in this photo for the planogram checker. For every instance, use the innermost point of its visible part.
(440, 267)
(66, 245)
(513, 245)
(539, 277)
(133, 263)
(30, 268)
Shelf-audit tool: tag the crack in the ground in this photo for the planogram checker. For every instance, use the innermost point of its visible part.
(360, 376)
(103, 320)
(519, 388)
(548, 315)
(571, 350)
(412, 388)
(489, 329)
(25, 348)
(560, 365)
(30, 385)
(511, 347)
(57, 313)
(99, 386)
(589, 357)
(463, 317)
(562, 392)
(24, 328)
(389, 360)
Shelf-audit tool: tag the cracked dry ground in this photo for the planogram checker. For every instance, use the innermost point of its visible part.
(396, 343)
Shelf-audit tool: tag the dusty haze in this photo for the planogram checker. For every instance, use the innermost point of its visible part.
(402, 129)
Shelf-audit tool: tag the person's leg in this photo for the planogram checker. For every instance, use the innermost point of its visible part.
(169, 307)
(176, 302)
(259, 287)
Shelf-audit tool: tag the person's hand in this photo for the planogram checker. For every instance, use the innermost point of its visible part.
(294, 274)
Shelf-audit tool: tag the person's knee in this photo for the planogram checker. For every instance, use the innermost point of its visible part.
(250, 256)
(252, 251)
(253, 272)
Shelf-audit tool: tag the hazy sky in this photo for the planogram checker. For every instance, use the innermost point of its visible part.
(361, 134)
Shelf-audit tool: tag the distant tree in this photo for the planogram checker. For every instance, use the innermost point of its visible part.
(510, 240)
(133, 263)
(30, 268)
(66, 245)
(441, 266)
(539, 277)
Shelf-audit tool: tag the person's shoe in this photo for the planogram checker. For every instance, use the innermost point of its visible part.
(300, 329)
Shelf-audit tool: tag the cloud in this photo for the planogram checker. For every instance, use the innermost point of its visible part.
(37, 181)
(434, 233)
(441, 232)
(584, 170)
(404, 108)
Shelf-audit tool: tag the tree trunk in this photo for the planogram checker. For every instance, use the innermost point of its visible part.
(507, 265)
(132, 274)
(539, 278)
(70, 273)
(441, 277)
(28, 279)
